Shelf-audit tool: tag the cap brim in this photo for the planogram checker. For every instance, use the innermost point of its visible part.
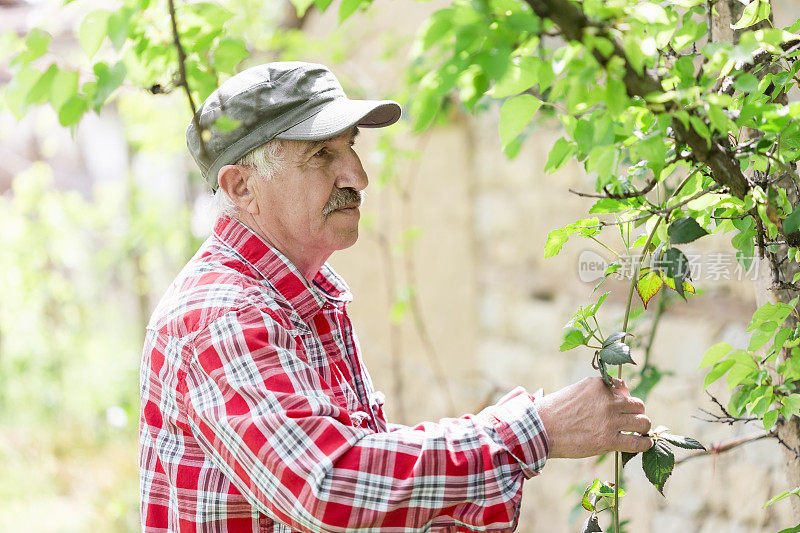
(342, 114)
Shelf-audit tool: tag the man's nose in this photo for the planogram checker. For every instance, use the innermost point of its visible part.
(351, 173)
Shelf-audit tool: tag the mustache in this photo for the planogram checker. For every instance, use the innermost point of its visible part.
(340, 198)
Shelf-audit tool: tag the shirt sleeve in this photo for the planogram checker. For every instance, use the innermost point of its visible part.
(267, 419)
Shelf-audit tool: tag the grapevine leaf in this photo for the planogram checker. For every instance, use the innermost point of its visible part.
(657, 463)
(685, 230)
(616, 354)
(682, 442)
(648, 286)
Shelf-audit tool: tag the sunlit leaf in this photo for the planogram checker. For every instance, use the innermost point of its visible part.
(648, 285)
(93, 30)
(515, 114)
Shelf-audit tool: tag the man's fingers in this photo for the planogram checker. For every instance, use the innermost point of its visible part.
(633, 443)
(632, 405)
(639, 423)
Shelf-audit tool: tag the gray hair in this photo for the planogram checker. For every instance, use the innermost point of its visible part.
(267, 159)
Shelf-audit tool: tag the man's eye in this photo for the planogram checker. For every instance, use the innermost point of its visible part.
(322, 152)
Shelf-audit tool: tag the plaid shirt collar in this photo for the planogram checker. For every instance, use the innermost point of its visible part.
(276, 269)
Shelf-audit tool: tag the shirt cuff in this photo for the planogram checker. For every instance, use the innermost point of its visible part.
(518, 425)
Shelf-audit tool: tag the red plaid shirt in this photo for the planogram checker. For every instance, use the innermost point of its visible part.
(257, 414)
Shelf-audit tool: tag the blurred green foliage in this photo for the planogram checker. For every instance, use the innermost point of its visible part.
(76, 275)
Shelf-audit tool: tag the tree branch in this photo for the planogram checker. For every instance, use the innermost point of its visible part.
(718, 157)
(727, 445)
(182, 81)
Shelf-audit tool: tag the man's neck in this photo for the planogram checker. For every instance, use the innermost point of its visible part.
(306, 263)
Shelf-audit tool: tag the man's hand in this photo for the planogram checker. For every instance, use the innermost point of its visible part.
(586, 419)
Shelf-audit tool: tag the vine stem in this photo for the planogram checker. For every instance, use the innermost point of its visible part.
(661, 217)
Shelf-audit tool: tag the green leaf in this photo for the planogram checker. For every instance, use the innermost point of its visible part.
(627, 456)
(795, 529)
(657, 463)
(755, 12)
(71, 112)
(616, 354)
(687, 287)
(746, 82)
(572, 339)
(16, 92)
(555, 240)
(586, 500)
(675, 265)
(93, 30)
(776, 313)
(560, 153)
(517, 78)
(36, 44)
(717, 371)
(118, 27)
(770, 417)
(616, 336)
(682, 441)
(792, 222)
(41, 89)
(792, 403)
(685, 230)
(762, 335)
(791, 492)
(648, 285)
(228, 54)
(302, 6)
(64, 85)
(616, 96)
(108, 79)
(515, 114)
(347, 8)
(714, 354)
(742, 368)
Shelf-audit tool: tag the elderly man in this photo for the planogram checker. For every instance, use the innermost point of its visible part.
(257, 412)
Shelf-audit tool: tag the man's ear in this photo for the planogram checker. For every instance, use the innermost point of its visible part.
(234, 180)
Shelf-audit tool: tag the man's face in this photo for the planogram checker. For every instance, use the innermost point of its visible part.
(310, 206)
